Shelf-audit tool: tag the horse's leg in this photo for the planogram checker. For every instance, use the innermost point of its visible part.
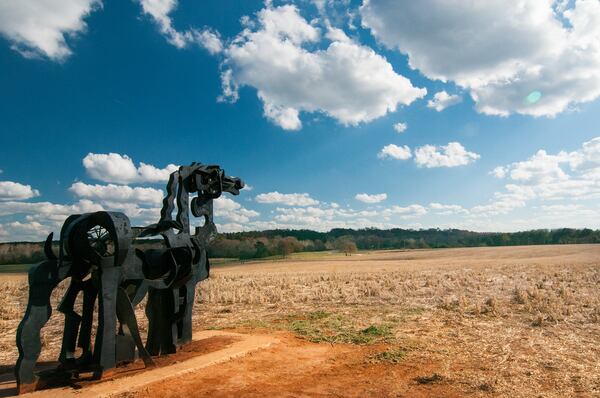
(162, 330)
(42, 280)
(170, 303)
(154, 321)
(104, 348)
(71, 326)
(126, 316)
(188, 293)
(85, 333)
(201, 271)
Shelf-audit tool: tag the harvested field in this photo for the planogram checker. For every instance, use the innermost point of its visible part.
(520, 321)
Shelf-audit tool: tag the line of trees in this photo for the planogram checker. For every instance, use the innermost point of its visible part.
(259, 247)
(260, 244)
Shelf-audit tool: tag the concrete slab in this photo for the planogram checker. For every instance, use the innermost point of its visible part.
(243, 345)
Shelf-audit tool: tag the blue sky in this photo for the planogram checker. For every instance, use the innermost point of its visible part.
(499, 122)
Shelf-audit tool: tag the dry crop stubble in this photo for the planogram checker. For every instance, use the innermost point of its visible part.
(514, 321)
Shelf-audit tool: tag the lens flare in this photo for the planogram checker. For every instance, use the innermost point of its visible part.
(533, 97)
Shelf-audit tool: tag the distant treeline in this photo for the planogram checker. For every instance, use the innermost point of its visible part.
(259, 244)
(268, 243)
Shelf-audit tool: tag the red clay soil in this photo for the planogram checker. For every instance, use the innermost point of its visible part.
(297, 368)
(193, 349)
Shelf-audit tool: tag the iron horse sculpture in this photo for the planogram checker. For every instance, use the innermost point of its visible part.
(98, 252)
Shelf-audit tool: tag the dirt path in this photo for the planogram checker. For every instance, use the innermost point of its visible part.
(297, 368)
(209, 347)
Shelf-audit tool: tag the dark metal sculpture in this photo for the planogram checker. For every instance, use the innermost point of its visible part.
(97, 251)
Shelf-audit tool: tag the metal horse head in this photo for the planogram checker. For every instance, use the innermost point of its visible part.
(208, 182)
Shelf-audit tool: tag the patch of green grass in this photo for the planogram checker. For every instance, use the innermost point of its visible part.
(324, 327)
(376, 331)
(316, 315)
(391, 355)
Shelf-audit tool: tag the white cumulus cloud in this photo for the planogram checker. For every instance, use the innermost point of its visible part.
(443, 209)
(451, 155)
(499, 172)
(47, 211)
(116, 168)
(290, 199)
(411, 211)
(231, 210)
(442, 100)
(210, 40)
(548, 177)
(530, 58)
(395, 152)
(159, 11)
(540, 168)
(400, 127)
(31, 231)
(10, 190)
(117, 193)
(375, 198)
(279, 56)
(41, 27)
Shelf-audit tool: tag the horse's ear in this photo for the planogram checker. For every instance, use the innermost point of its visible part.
(48, 248)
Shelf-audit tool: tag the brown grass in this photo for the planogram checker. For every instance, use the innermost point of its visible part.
(518, 321)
